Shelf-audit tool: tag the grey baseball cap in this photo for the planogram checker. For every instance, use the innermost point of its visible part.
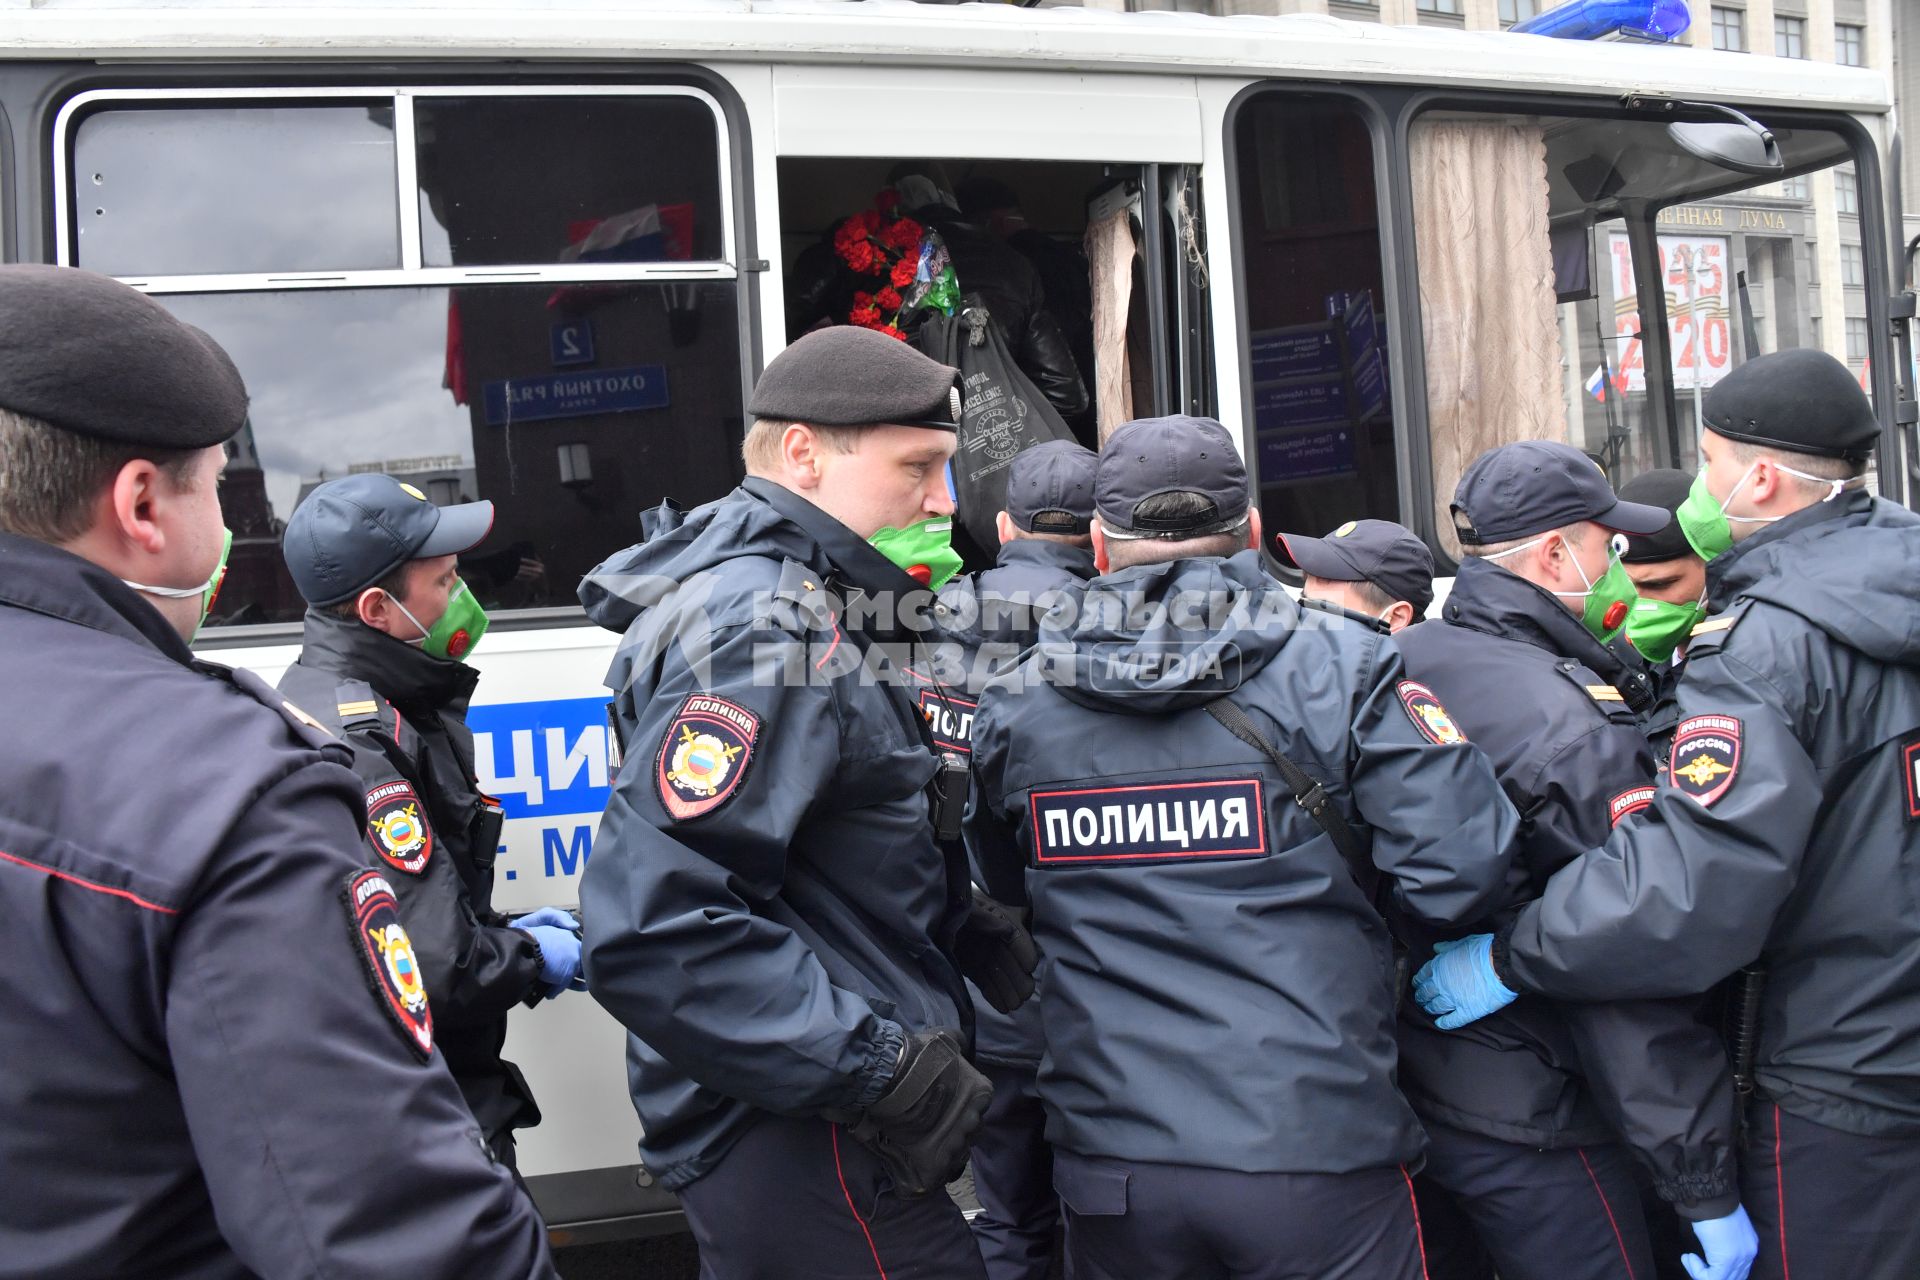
(1050, 488)
(1179, 454)
(1535, 486)
(1375, 551)
(352, 532)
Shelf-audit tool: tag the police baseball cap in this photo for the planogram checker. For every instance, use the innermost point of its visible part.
(1151, 457)
(1801, 400)
(352, 532)
(846, 376)
(1050, 488)
(1666, 489)
(1535, 486)
(1379, 552)
(90, 355)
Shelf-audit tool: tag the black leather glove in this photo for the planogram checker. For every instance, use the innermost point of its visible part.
(995, 950)
(922, 1126)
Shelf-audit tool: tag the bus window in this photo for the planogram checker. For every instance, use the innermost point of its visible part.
(500, 174)
(1545, 318)
(235, 189)
(1321, 439)
(598, 376)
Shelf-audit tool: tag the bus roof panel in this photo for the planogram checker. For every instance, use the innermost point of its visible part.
(903, 33)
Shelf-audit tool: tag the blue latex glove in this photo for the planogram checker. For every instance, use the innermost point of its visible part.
(1458, 985)
(1730, 1245)
(559, 956)
(548, 915)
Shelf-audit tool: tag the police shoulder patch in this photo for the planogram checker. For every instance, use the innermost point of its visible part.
(1627, 803)
(398, 827)
(1706, 757)
(704, 755)
(1428, 716)
(393, 971)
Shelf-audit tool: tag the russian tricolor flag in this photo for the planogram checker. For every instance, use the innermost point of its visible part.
(1596, 383)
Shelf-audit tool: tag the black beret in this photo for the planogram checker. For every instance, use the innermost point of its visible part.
(94, 357)
(1665, 488)
(1801, 400)
(846, 376)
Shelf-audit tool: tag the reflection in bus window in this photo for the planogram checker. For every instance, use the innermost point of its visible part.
(1321, 430)
(471, 393)
(242, 189)
(1545, 322)
(605, 378)
(628, 178)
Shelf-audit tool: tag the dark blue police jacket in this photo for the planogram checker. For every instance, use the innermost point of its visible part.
(1786, 827)
(766, 908)
(1533, 689)
(1217, 989)
(402, 712)
(216, 1062)
(995, 618)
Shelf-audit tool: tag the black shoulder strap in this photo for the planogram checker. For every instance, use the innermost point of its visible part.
(1307, 793)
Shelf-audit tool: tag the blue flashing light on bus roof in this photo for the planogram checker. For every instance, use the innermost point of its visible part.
(1657, 20)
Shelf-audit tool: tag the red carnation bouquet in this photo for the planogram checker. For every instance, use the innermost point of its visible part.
(907, 260)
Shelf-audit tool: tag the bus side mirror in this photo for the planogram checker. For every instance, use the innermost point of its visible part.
(1743, 146)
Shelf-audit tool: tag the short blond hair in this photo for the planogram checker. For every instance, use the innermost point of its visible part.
(761, 448)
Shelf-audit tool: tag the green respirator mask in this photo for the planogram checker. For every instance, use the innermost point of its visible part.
(1657, 627)
(924, 551)
(1608, 599)
(459, 629)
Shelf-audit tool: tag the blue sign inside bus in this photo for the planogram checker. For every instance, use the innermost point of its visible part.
(576, 395)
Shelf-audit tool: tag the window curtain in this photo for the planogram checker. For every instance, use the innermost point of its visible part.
(1495, 372)
(1110, 253)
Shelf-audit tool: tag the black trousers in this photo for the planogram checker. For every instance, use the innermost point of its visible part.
(800, 1200)
(1562, 1214)
(1013, 1176)
(1829, 1205)
(1128, 1220)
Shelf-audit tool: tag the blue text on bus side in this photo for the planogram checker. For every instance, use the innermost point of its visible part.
(542, 759)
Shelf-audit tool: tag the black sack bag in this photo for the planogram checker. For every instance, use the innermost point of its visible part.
(1002, 415)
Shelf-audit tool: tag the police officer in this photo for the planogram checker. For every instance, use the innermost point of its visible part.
(220, 1058)
(1786, 827)
(769, 909)
(1217, 991)
(1527, 1117)
(1046, 554)
(1374, 571)
(382, 664)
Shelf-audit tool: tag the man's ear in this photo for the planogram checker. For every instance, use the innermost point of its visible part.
(1401, 615)
(1766, 481)
(1004, 526)
(1100, 560)
(1253, 528)
(375, 609)
(130, 500)
(800, 455)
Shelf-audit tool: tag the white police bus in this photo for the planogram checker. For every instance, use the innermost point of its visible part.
(537, 254)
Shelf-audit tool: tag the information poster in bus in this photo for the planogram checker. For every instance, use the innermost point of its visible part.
(1699, 318)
